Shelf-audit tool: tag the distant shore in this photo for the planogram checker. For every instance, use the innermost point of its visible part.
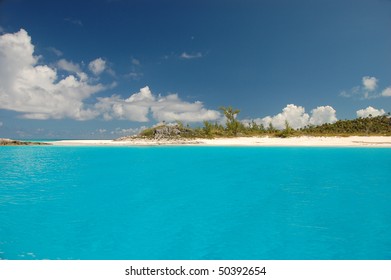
(304, 141)
(11, 142)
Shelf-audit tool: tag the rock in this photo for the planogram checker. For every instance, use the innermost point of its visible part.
(161, 133)
(166, 132)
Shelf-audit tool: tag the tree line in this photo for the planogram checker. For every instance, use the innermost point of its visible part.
(379, 125)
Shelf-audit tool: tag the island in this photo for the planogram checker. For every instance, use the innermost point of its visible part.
(11, 142)
(368, 132)
(360, 132)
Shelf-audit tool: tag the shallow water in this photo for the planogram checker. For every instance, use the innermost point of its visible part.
(195, 203)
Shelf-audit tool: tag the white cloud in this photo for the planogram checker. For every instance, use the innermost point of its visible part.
(323, 114)
(170, 108)
(140, 105)
(71, 67)
(35, 90)
(367, 90)
(97, 66)
(186, 55)
(364, 113)
(386, 92)
(68, 66)
(2, 30)
(369, 83)
(297, 117)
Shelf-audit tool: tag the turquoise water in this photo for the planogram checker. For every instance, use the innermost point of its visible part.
(195, 203)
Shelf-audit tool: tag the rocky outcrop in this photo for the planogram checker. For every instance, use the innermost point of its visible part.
(10, 142)
(161, 133)
(165, 132)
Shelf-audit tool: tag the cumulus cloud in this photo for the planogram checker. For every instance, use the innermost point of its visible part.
(68, 66)
(139, 106)
(323, 114)
(386, 92)
(369, 83)
(364, 113)
(297, 117)
(367, 90)
(35, 90)
(97, 66)
(135, 108)
(38, 93)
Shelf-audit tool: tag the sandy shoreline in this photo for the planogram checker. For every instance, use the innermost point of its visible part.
(305, 141)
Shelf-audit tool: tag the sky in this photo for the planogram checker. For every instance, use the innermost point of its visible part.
(108, 68)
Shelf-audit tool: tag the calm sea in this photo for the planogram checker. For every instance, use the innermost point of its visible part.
(195, 203)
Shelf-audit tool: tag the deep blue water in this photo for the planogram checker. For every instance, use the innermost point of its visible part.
(195, 203)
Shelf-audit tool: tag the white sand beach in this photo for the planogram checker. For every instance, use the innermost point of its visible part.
(305, 141)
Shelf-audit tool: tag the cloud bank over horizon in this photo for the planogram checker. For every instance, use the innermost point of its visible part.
(163, 108)
(297, 117)
(370, 111)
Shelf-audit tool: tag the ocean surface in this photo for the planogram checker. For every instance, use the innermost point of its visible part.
(195, 203)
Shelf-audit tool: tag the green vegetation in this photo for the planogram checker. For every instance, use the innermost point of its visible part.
(233, 126)
(287, 132)
(10, 142)
(380, 125)
(148, 133)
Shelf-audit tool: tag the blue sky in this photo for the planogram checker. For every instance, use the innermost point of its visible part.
(75, 69)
